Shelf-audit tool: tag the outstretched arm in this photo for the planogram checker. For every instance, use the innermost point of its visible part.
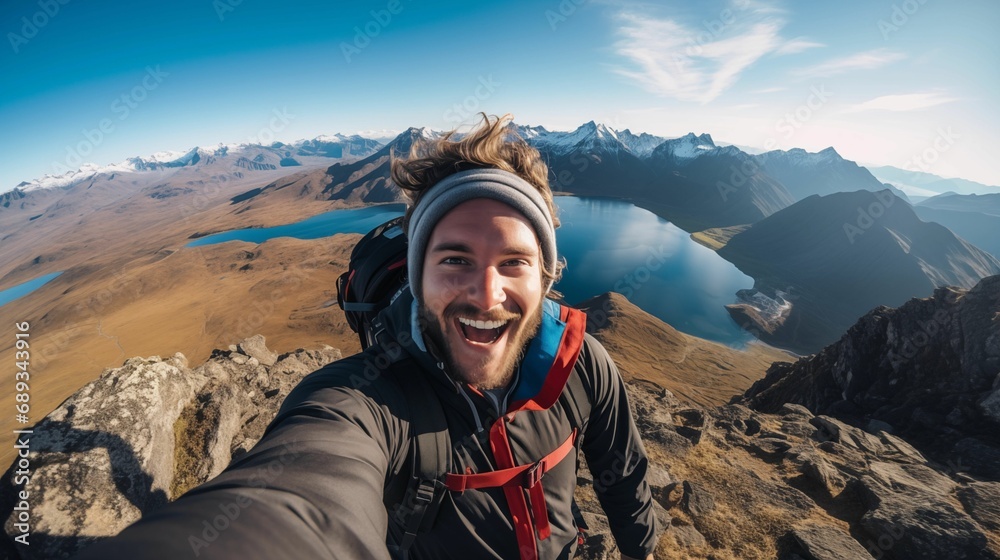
(311, 488)
(617, 459)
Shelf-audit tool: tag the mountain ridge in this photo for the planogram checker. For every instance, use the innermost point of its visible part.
(845, 253)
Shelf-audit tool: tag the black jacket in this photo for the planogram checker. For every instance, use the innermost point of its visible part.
(329, 475)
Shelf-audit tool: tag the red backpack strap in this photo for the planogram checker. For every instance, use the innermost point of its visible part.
(512, 479)
(525, 476)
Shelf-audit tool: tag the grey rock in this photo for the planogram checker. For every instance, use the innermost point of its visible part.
(691, 417)
(670, 495)
(828, 543)
(822, 473)
(828, 429)
(212, 422)
(769, 447)
(899, 450)
(697, 501)
(800, 428)
(105, 455)
(687, 536)
(673, 443)
(112, 451)
(982, 501)
(255, 348)
(658, 477)
(831, 429)
(908, 513)
(792, 409)
(693, 435)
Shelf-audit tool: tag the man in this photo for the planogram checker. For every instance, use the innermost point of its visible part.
(521, 385)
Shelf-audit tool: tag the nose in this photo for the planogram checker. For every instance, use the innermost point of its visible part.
(488, 290)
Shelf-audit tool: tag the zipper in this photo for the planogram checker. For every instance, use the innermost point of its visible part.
(458, 389)
(475, 413)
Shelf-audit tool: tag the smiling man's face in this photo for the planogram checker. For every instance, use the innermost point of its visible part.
(482, 290)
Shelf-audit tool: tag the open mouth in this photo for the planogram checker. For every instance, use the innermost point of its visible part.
(481, 332)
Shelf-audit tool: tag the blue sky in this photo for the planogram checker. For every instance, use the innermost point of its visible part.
(908, 83)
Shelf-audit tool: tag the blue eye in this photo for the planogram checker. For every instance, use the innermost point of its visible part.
(453, 260)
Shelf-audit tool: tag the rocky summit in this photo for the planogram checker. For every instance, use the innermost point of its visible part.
(928, 370)
(786, 481)
(143, 434)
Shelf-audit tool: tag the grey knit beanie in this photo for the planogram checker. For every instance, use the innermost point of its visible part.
(496, 184)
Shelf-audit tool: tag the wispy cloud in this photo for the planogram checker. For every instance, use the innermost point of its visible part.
(698, 63)
(797, 45)
(902, 102)
(859, 61)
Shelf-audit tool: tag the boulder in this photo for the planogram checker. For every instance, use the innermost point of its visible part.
(254, 347)
(140, 435)
(828, 543)
(105, 455)
(908, 513)
(697, 501)
(982, 502)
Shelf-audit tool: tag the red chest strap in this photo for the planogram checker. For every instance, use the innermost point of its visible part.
(512, 479)
(525, 476)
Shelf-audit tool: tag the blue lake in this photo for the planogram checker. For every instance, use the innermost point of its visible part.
(609, 245)
(355, 220)
(614, 246)
(25, 288)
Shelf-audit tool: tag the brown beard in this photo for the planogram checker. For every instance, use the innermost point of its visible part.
(527, 329)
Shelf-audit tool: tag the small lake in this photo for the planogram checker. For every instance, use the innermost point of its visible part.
(614, 246)
(25, 288)
(354, 220)
(609, 245)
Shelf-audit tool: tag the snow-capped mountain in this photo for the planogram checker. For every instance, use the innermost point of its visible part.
(527, 132)
(641, 145)
(590, 137)
(685, 148)
(594, 155)
(363, 180)
(382, 136)
(337, 146)
(253, 157)
(161, 160)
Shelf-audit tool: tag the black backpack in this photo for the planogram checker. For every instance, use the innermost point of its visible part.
(377, 271)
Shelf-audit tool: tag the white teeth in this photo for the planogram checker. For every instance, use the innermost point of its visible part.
(482, 324)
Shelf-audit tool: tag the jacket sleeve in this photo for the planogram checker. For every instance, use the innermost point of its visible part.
(310, 488)
(615, 455)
